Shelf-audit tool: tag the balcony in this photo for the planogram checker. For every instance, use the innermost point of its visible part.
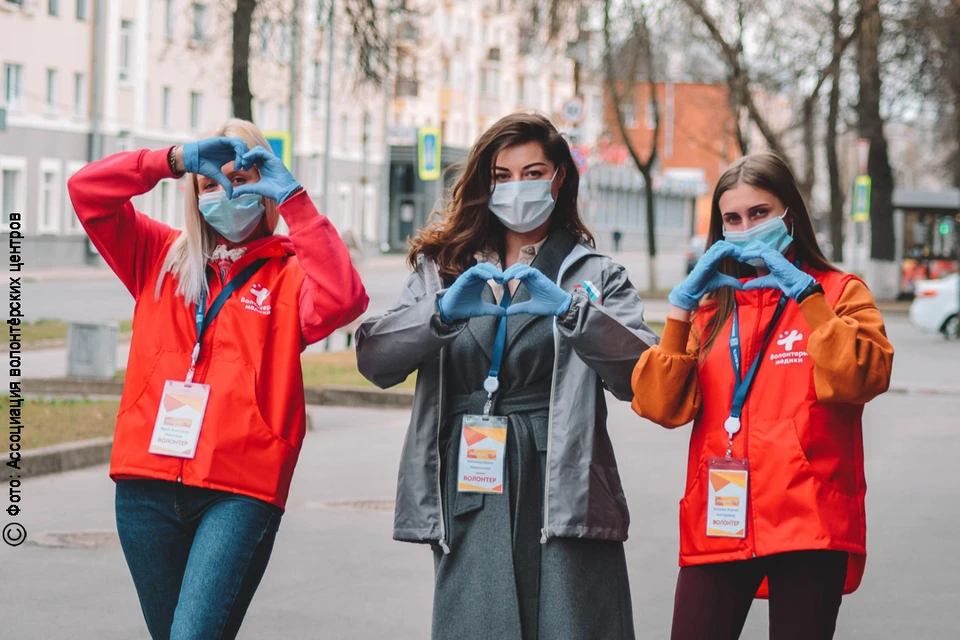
(406, 88)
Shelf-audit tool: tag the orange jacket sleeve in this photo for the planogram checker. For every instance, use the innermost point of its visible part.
(665, 385)
(852, 358)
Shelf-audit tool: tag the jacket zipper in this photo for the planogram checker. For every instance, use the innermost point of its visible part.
(746, 432)
(553, 392)
(443, 526)
(216, 271)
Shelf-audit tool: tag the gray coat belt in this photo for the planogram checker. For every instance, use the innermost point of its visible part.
(596, 347)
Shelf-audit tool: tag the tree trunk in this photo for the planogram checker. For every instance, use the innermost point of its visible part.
(651, 228)
(809, 152)
(833, 164)
(882, 241)
(240, 92)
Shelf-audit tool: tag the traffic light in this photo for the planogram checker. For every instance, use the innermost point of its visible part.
(945, 227)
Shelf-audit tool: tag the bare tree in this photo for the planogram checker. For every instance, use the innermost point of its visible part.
(833, 116)
(882, 243)
(635, 59)
(365, 18)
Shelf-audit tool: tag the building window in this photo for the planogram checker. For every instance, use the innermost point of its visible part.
(82, 9)
(168, 20)
(12, 188)
(367, 133)
(53, 7)
(285, 42)
(79, 94)
(166, 110)
(648, 120)
(50, 102)
(344, 125)
(628, 113)
(261, 114)
(317, 84)
(282, 117)
(13, 86)
(265, 29)
(196, 110)
(49, 221)
(489, 82)
(199, 23)
(126, 49)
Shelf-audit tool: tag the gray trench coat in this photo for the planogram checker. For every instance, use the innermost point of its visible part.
(598, 344)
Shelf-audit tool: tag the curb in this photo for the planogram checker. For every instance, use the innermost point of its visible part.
(65, 457)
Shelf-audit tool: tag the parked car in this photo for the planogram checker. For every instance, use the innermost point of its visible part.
(695, 251)
(936, 306)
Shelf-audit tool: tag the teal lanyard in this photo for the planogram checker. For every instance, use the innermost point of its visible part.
(492, 383)
(203, 320)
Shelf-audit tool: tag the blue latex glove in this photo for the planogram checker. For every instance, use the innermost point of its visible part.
(208, 156)
(705, 278)
(783, 275)
(462, 300)
(275, 182)
(546, 298)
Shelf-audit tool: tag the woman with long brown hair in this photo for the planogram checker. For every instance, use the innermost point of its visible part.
(774, 367)
(507, 469)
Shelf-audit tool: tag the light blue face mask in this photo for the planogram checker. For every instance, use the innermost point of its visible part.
(772, 233)
(233, 219)
(523, 205)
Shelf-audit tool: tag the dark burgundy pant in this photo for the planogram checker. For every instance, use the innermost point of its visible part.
(713, 600)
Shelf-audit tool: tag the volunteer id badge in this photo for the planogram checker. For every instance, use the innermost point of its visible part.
(727, 498)
(483, 446)
(177, 429)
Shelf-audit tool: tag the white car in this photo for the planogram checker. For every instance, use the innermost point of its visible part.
(936, 306)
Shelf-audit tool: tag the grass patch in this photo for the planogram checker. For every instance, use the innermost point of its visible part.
(656, 326)
(339, 368)
(48, 422)
(44, 329)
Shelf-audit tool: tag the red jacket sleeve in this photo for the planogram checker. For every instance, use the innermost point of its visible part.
(332, 294)
(128, 240)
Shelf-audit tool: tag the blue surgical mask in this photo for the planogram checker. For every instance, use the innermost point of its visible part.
(523, 205)
(234, 219)
(772, 233)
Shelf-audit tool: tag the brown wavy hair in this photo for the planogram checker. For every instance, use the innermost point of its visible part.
(466, 226)
(768, 172)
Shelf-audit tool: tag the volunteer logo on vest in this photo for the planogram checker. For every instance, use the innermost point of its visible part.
(790, 353)
(260, 295)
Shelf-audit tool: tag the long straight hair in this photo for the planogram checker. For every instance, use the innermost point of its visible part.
(187, 258)
(466, 225)
(767, 172)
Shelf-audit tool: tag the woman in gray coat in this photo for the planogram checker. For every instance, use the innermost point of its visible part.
(509, 276)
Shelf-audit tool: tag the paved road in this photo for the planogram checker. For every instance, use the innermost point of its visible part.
(336, 573)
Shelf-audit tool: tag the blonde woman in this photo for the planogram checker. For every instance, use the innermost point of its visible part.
(212, 415)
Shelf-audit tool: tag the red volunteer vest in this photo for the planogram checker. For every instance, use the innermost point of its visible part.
(255, 419)
(806, 484)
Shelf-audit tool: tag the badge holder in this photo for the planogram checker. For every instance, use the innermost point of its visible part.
(483, 438)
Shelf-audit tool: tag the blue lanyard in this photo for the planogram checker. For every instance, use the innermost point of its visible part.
(203, 320)
(492, 383)
(741, 388)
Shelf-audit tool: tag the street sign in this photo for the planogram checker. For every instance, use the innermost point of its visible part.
(428, 153)
(572, 111)
(861, 199)
(280, 145)
(580, 155)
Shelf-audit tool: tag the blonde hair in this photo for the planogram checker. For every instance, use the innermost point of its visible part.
(186, 261)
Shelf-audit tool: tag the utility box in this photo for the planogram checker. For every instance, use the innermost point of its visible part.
(92, 350)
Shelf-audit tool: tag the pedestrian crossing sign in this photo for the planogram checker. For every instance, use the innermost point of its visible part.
(280, 145)
(428, 153)
(861, 199)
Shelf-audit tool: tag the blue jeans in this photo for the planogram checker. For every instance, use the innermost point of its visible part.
(196, 555)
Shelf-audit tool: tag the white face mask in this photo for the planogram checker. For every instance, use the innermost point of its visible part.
(523, 205)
